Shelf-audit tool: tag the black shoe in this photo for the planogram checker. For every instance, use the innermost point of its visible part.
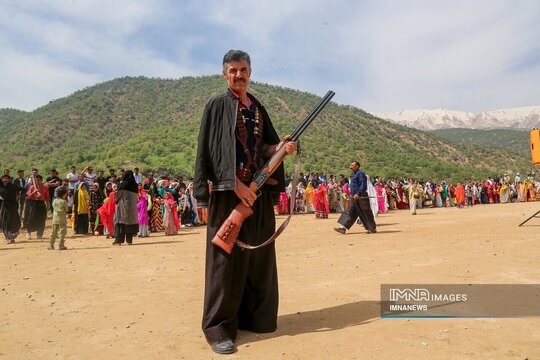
(223, 347)
(340, 230)
(62, 247)
(372, 231)
(115, 243)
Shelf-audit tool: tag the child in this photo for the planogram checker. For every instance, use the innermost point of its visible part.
(70, 201)
(142, 208)
(59, 221)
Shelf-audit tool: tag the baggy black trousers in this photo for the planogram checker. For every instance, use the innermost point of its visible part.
(365, 214)
(241, 288)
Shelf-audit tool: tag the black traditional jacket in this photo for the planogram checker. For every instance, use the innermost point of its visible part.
(216, 152)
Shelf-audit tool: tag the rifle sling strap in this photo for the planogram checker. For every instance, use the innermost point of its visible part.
(278, 232)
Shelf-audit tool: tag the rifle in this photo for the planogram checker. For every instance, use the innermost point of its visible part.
(227, 234)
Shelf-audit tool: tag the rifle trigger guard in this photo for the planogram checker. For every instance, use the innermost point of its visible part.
(258, 193)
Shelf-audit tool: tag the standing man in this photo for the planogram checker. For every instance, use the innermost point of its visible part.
(359, 207)
(89, 176)
(138, 177)
(72, 177)
(6, 173)
(235, 139)
(21, 192)
(101, 181)
(111, 174)
(53, 182)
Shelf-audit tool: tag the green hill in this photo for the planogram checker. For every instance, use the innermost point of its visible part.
(513, 140)
(153, 123)
(11, 115)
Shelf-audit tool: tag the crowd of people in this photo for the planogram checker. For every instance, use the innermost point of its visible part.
(119, 206)
(321, 194)
(165, 205)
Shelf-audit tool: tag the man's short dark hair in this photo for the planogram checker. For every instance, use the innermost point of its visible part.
(236, 55)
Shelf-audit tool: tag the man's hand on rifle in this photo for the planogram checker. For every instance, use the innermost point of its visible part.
(356, 197)
(244, 193)
(290, 147)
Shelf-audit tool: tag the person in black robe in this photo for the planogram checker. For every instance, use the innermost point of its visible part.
(10, 222)
(126, 220)
(235, 139)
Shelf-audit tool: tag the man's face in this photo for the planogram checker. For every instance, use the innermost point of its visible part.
(73, 169)
(237, 74)
(6, 172)
(354, 166)
(100, 173)
(21, 174)
(5, 180)
(90, 170)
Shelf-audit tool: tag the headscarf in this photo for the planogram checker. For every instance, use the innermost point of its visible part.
(128, 182)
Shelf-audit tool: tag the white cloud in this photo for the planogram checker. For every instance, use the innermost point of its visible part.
(380, 56)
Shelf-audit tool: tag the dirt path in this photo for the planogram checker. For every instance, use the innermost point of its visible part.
(96, 301)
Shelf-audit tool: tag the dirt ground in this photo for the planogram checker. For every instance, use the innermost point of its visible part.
(96, 301)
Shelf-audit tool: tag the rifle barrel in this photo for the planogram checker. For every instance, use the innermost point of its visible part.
(312, 115)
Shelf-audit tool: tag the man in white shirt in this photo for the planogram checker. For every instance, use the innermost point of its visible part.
(72, 178)
(89, 176)
(138, 177)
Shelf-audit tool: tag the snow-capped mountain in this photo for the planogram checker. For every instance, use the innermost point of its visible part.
(524, 118)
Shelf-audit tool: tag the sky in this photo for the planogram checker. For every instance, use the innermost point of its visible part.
(380, 56)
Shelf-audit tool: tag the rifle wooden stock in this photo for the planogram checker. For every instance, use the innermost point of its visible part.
(227, 234)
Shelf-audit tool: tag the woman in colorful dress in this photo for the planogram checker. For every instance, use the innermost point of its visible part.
(170, 218)
(310, 196)
(461, 196)
(81, 209)
(381, 195)
(96, 201)
(36, 208)
(321, 203)
(142, 213)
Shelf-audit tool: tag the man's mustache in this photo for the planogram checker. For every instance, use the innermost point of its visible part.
(239, 79)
